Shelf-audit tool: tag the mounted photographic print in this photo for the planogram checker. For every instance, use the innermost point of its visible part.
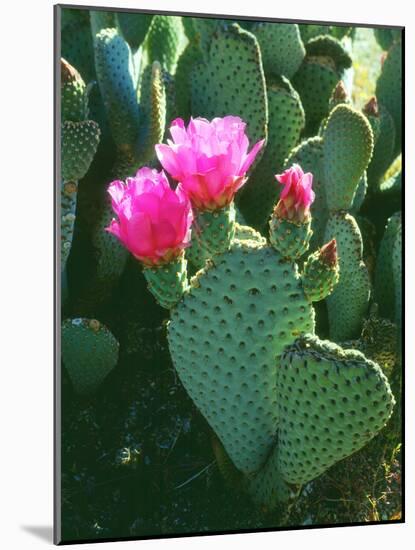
(229, 287)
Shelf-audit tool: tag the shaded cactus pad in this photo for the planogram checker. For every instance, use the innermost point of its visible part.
(89, 353)
(79, 145)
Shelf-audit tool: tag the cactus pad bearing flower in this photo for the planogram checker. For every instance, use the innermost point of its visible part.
(290, 224)
(154, 224)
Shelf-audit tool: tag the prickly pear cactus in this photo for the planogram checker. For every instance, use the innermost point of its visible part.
(243, 302)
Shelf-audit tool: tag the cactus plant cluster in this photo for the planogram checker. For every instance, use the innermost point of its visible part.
(220, 173)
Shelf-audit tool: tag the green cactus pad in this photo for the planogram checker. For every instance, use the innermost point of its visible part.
(133, 27)
(165, 41)
(168, 282)
(319, 277)
(281, 46)
(68, 209)
(89, 353)
(348, 303)
(190, 56)
(153, 111)
(315, 81)
(309, 155)
(384, 280)
(224, 338)
(332, 402)
(74, 96)
(204, 30)
(79, 52)
(329, 46)
(347, 149)
(212, 234)
(267, 488)
(285, 124)
(79, 145)
(389, 89)
(383, 150)
(291, 239)
(116, 78)
(232, 81)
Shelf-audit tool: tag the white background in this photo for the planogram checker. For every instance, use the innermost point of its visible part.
(26, 306)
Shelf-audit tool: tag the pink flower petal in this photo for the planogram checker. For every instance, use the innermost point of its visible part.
(148, 203)
(207, 157)
(140, 236)
(168, 159)
(251, 157)
(165, 235)
(116, 191)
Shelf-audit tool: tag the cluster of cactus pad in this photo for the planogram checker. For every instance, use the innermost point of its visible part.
(284, 404)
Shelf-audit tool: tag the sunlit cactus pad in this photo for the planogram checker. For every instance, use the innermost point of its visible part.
(332, 402)
(225, 337)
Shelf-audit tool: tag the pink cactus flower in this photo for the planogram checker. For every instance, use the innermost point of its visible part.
(297, 195)
(154, 222)
(209, 159)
